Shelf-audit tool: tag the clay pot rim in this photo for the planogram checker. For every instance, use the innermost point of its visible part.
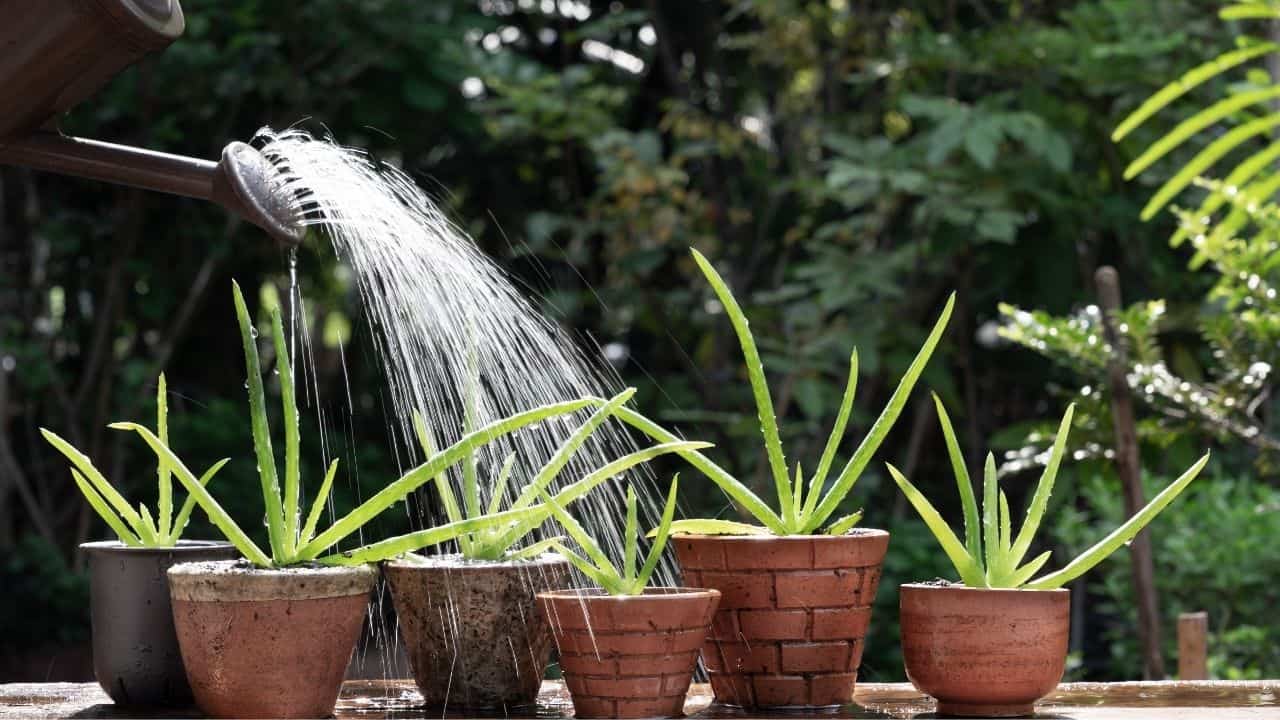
(598, 595)
(958, 588)
(237, 581)
(454, 561)
(854, 534)
(113, 546)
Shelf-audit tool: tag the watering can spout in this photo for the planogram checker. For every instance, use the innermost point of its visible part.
(59, 52)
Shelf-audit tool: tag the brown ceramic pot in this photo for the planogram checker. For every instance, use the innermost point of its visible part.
(474, 637)
(793, 613)
(629, 657)
(267, 643)
(984, 653)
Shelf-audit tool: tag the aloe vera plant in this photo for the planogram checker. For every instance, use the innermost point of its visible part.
(631, 578)
(497, 543)
(140, 527)
(991, 554)
(293, 541)
(804, 505)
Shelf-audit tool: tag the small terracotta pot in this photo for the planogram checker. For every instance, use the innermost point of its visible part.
(135, 650)
(984, 653)
(474, 636)
(267, 643)
(793, 614)
(629, 657)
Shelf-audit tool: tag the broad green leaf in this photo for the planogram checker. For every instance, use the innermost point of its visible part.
(876, 435)
(759, 387)
(1122, 535)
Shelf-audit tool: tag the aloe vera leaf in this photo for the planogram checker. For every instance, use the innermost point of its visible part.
(969, 503)
(1040, 500)
(1121, 535)
(759, 387)
(401, 544)
(583, 538)
(797, 492)
(736, 491)
(990, 518)
(91, 473)
(452, 510)
(548, 473)
(164, 479)
(833, 440)
(1191, 126)
(415, 478)
(1024, 573)
(715, 527)
(318, 504)
(217, 515)
(1204, 159)
(261, 431)
(1006, 525)
(630, 541)
(532, 551)
(500, 483)
(292, 441)
(845, 524)
(104, 511)
(663, 530)
(184, 513)
(968, 567)
(470, 479)
(876, 435)
(1189, 80)
(150, 538)
(609, 583)
(506, 538)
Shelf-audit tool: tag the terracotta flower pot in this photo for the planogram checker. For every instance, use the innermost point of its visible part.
(793, 613)
(135, 651)
(474, 636)
(988, 653)
(267, 643)
(629, 657)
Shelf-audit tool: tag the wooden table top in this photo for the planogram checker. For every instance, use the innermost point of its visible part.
(1170, 700)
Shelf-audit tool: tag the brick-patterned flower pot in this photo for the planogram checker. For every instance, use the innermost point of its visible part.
(984, 653)
(471, 630)
(267, 643)
(793, 613)
(629, 657)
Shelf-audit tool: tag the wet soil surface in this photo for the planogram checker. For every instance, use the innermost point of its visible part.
(399, 699)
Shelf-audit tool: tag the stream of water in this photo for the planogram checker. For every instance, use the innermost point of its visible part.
(446, 322)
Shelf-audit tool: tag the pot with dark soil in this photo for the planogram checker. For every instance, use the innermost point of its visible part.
(472, 631)
(995, 643)
(796, 588)
(135, 651)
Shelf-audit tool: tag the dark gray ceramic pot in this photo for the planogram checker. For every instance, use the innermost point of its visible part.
(472, 630)
(135, 651)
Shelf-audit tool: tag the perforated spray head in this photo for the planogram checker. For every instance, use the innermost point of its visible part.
(247, 184)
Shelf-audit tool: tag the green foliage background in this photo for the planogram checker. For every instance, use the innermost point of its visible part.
(845, 163)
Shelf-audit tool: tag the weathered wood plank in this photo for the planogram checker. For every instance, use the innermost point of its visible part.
(1175, 700)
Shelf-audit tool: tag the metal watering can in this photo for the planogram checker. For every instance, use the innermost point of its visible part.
(56, 53)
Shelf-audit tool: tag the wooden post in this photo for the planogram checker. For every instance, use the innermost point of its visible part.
(1130, 470)
(1193, 646)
